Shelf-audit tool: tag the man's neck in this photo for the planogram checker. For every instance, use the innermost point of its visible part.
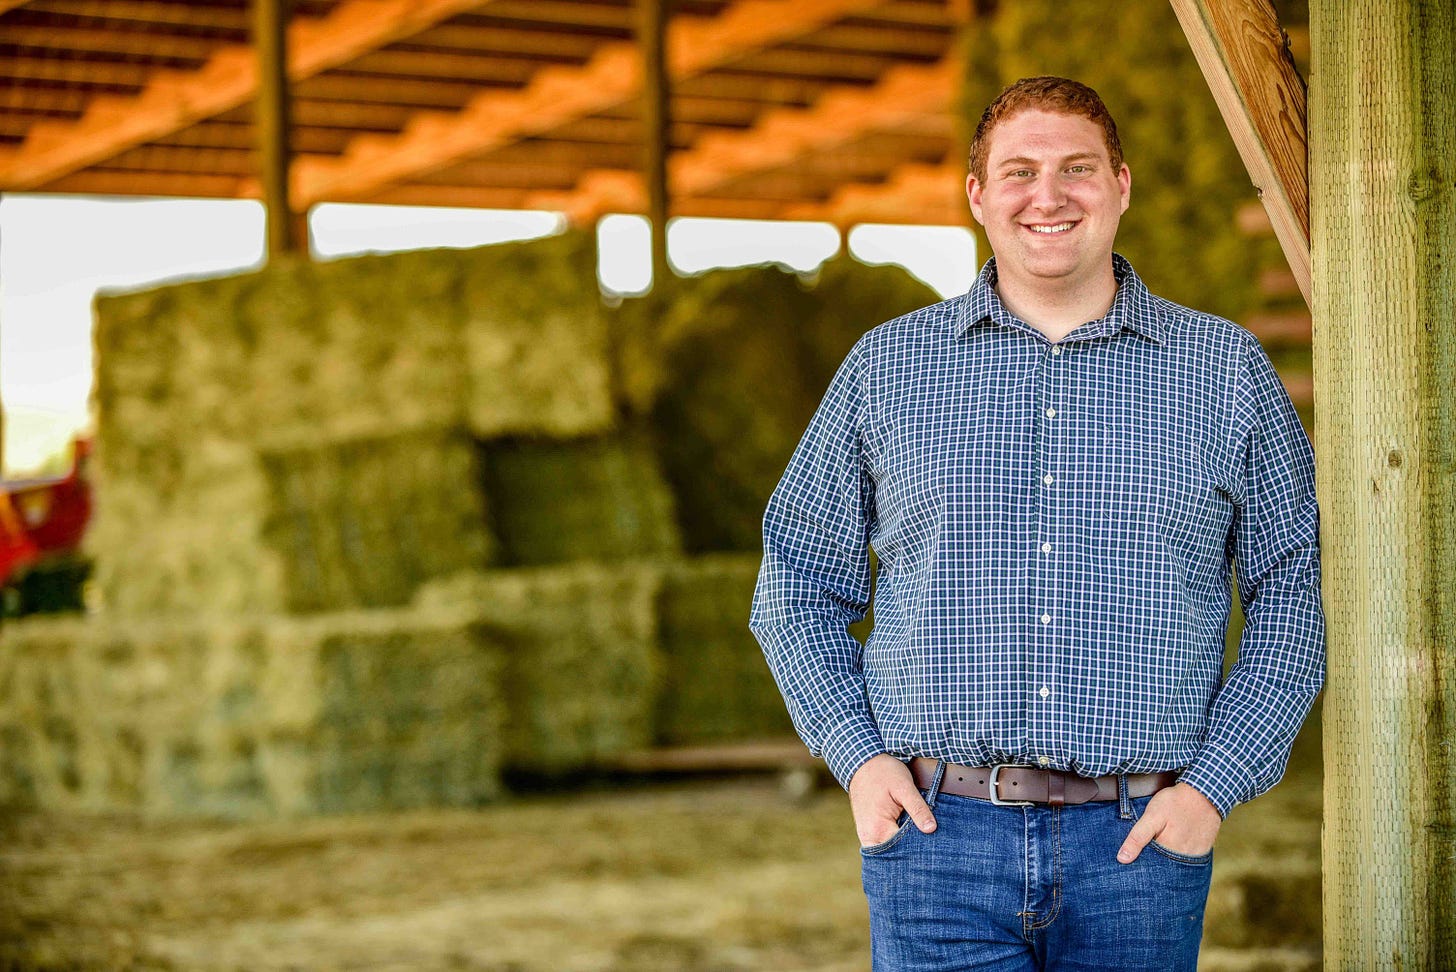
(1057, 311)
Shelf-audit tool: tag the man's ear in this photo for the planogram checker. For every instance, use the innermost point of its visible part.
(973, 195)
(1124, 180)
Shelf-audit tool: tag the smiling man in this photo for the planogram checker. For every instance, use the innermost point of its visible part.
(1058, 472)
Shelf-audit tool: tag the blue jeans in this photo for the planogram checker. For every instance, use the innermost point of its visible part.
(1031, 888)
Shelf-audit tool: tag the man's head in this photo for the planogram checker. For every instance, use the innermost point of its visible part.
(1049, 184)
(1059, 96)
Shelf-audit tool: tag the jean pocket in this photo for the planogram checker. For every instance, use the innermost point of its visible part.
(1188, 860)
(906, 825)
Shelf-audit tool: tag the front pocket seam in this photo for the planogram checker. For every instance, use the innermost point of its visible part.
(1187, 860)
(891, 841)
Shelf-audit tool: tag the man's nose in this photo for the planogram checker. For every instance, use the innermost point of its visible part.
(1048, 195)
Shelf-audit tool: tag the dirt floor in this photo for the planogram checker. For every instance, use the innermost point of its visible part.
(697, 875)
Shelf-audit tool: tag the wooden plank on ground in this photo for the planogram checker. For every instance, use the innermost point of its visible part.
(763, 754)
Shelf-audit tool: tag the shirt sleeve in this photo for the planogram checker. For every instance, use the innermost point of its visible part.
(815, 580)
(1280, 668)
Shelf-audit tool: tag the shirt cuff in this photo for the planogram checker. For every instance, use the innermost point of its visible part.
(849, 746)
(1220, 778)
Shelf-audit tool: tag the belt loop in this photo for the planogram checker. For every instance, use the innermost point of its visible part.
(1124, 802)
(934, 790)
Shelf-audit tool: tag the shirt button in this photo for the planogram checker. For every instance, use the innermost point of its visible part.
(1051, 413)
(1044, 692)
(1044, 760)
(1046, 548)
(1046, 619)
(1047, 479)
(1056, 349)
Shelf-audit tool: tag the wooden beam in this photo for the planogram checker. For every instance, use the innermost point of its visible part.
(1244, 57)
(652, 19)
(153, 14)
(841, 116)
(283, 233)
(778, 139)
(174, 99)
(558, 95)
(914, 193)
(1383, 137)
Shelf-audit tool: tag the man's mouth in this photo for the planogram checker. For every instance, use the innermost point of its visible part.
(1051, 229)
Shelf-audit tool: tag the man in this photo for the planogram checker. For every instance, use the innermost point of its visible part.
(1056, 471)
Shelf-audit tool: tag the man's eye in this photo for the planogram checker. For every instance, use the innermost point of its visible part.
(1078, 169)
(1021, 174)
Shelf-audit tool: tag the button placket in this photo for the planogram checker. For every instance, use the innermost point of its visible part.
(1039, 671)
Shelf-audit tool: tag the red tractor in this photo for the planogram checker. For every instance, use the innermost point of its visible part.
(41, 525)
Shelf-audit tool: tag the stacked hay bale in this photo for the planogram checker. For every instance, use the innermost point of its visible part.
(250, 717)
(741, 360)
(370, 533)
(305, 438)
(728, 368)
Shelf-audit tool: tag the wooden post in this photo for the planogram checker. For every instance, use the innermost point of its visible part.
(1383, 188)
(656, 127)
(270, 36)
(1245, 57)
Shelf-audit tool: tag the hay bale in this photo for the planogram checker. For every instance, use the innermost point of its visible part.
(746, 356)
(716, 685)
(511, 337)
(359, 348)
(580, 654)
(594, 498)
(189, 542)
(269, 717)
(352, 524)
(364, 523)
(535, 336)
(408, 710)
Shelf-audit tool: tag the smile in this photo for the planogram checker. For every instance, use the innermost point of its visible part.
(1058, 228)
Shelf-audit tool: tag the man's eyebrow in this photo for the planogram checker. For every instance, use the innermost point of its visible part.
(1023, 160)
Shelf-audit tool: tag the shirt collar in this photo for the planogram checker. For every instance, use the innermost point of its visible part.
(1133, 307)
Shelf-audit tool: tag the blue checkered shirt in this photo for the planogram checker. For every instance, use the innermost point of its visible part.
(1054, 526)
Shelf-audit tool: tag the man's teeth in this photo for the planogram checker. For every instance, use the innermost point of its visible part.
(1059, 228)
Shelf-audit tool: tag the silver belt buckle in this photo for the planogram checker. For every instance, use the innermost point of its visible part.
(995, 781)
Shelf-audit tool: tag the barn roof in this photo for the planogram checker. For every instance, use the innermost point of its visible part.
(840, 110)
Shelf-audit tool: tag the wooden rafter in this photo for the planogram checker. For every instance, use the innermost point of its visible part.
(781, 137)
(173, 99)
(555, 96)
(1246, 61)
(913, 192)
(838, 118)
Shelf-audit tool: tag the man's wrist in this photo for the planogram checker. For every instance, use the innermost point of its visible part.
(1218, 778)
(849, 746)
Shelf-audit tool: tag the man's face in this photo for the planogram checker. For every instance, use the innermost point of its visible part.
(1051, 200)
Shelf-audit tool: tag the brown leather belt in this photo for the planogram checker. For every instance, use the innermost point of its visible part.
(1014, 785)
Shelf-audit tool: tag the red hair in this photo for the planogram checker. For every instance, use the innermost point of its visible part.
(1059, 95)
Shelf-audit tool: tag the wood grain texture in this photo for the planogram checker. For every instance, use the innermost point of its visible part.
(558, 95)
(270, 41)
(1383, 188)
(1242, 51)
(173, 99)
(655, 97)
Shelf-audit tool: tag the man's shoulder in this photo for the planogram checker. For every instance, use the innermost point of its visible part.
(932, 322)
(1187, 324)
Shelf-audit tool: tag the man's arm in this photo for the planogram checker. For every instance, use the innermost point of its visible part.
(814, 583)
(1275, 542)
(1281, 662)
(815, 580)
